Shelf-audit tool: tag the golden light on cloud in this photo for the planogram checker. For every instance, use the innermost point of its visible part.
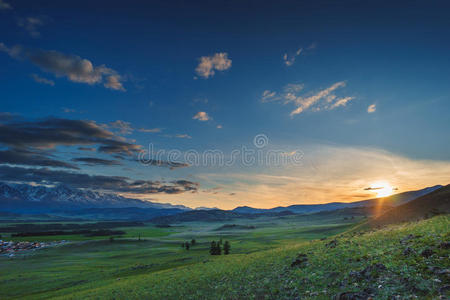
(327, 174)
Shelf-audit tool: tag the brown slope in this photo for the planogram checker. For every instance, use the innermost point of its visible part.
(434, 203)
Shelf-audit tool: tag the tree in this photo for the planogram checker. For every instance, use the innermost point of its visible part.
(193, 242)
(215, 248)
(187, 245)
(212, 249)
(226, 248)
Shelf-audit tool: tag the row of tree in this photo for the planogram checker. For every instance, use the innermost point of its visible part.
(216, 248)
(186, 245)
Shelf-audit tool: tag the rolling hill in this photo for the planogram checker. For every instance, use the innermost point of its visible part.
(212, 215)
(370, 265)
(429, 205)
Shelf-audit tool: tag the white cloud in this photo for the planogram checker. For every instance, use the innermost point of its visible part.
(322, 100)
(31, 24)
(294, 87)
(341, 102)
(201, 116)
(179, 136)
(183, 136)
(291, 153)
(312, 46)
(304, 103)
(122, 127)
(150, 130)
(42, 80)
(269, 96)
(208, 64)
(290, 59)
(5, 5)
(113, 82)
(68, 110)
(200, 101)
(372, 108)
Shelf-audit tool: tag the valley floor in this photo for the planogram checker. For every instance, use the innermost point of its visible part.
(277, 262)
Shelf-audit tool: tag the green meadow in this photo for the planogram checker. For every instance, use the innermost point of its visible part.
(259, 266)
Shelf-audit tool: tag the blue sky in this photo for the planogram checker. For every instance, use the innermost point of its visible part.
(333, 60)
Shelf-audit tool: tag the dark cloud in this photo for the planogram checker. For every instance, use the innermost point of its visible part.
(30, 143)
(86, 148)
(6, 116)
(92, 161)
(163, 163)
(117, 156)
(31, 137)
(120, 148)
(214, 190)
(14, 51)
(373, 188)
(5, 5)
(31, 158)
(98, 182)
(75, 68)
(378, 188)
(63, 132)
(185, 183)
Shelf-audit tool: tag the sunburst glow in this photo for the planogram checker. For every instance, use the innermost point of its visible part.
(382, 189)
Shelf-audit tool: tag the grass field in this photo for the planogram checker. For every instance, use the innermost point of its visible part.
(258, 268)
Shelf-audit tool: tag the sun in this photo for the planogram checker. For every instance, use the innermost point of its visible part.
(382, 188)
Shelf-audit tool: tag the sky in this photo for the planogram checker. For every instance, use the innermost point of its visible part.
(226, 103)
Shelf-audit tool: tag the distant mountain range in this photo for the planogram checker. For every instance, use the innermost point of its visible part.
(365, 208)
(65, 202)
(393, 200)
(24, 198)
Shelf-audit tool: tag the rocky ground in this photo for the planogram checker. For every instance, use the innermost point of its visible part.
(10, 248)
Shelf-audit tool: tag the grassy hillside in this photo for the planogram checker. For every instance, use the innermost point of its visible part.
(406, 260)
(375, 263)
(432, 204)
(96, 261)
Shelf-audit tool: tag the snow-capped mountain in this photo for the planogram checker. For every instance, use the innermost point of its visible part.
(27, 198)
